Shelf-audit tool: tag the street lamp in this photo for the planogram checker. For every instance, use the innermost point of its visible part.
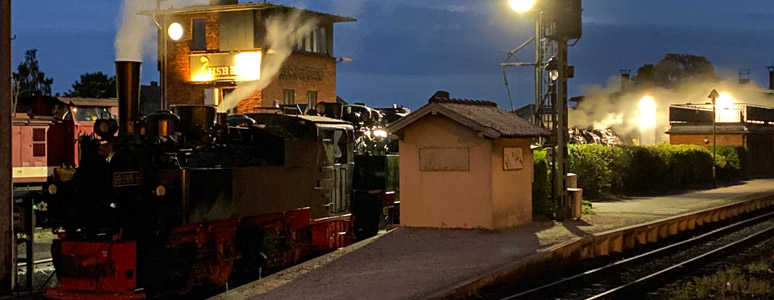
(521, 6)
(713, 95)
(175, 31)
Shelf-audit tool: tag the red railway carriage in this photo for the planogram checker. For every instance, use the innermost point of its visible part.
(45, 136)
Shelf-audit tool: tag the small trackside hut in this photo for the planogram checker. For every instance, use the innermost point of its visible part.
(465, 164)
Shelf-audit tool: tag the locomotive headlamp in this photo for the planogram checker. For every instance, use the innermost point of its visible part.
(175, 31)
(160, 190)
(52, 189)
(380, 133)
(105, 127)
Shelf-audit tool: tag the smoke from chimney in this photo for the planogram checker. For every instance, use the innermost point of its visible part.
(282, 33)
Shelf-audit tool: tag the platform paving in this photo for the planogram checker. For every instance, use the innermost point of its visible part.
(421, 263)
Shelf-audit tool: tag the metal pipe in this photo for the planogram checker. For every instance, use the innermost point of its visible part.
(7, 240)
(128, 92)
(538, 68)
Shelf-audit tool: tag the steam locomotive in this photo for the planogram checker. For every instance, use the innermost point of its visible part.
(192, 197)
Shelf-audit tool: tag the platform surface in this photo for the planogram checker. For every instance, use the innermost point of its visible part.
(414, 263)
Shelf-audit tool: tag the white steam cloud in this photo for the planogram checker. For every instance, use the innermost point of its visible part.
(134, 37)
(604, 107)
(282, 33)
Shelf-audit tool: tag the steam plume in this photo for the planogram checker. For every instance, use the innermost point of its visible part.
(603, 108)
(134, 38)
(282, 33)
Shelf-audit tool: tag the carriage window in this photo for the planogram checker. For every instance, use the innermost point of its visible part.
(335, 143)
(38, 135)
(38, 142)
(91, 113)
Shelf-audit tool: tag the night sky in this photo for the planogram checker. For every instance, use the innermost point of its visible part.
(405, 50)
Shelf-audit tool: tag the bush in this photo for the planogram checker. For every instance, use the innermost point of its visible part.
(605, 172)
(542, 205)
(595, 163)
(730, 162)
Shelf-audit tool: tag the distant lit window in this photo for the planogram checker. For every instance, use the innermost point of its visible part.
(91, 113)
(311, 98)
(198, 34)
(289, 96)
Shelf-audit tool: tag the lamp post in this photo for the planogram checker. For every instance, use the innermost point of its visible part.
(556, 22)
(713, 95)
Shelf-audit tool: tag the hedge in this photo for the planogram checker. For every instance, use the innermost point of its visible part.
(606, 172)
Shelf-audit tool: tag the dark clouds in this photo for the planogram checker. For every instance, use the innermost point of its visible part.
(406, 50)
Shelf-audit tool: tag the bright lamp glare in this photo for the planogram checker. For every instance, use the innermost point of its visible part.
(175, 31)
(521, 6)
(647, 108)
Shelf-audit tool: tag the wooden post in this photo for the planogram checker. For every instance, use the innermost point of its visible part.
(7, 243)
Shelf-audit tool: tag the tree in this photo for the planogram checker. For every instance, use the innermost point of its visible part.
(29, 79)
(675, 68)
(94, 85)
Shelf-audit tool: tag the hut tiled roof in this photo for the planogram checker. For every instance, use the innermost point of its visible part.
(483, 116)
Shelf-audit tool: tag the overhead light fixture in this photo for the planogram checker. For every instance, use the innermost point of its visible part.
(552, 68)
(175, 31)
(521, 6)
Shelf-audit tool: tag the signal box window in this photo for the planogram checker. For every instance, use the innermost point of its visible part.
(289, 96)
(38, 142)
(198, 34)
(311, 98)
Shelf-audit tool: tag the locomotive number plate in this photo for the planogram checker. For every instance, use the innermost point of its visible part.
(126, 179)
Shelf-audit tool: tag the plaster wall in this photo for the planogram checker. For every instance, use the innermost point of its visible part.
(511, 189)
(698, 139)
(450, 199)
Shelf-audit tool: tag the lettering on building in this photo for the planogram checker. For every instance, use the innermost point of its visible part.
(301, 73)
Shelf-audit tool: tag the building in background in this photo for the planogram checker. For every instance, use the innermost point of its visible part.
(744, 125)
(206, 51)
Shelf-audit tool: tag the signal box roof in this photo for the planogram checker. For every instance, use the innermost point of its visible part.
(241, 7)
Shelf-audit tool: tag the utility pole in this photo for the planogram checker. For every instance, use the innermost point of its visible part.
(7, 241)
(714, 95)
(564, 22)
(562, 133)
(556, 22)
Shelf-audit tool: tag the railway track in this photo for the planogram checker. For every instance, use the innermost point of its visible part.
(627, 278)
(38, 264)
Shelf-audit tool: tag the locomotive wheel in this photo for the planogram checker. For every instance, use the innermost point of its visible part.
(251, 261)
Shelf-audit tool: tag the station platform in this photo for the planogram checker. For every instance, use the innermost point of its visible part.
(424, 263)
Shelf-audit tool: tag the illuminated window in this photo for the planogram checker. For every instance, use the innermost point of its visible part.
(289, 96)
(198, 34)
(311, 98)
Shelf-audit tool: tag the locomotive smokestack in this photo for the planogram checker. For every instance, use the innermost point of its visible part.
(128, 92)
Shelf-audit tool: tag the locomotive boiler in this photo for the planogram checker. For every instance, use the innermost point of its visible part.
(191, 197)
